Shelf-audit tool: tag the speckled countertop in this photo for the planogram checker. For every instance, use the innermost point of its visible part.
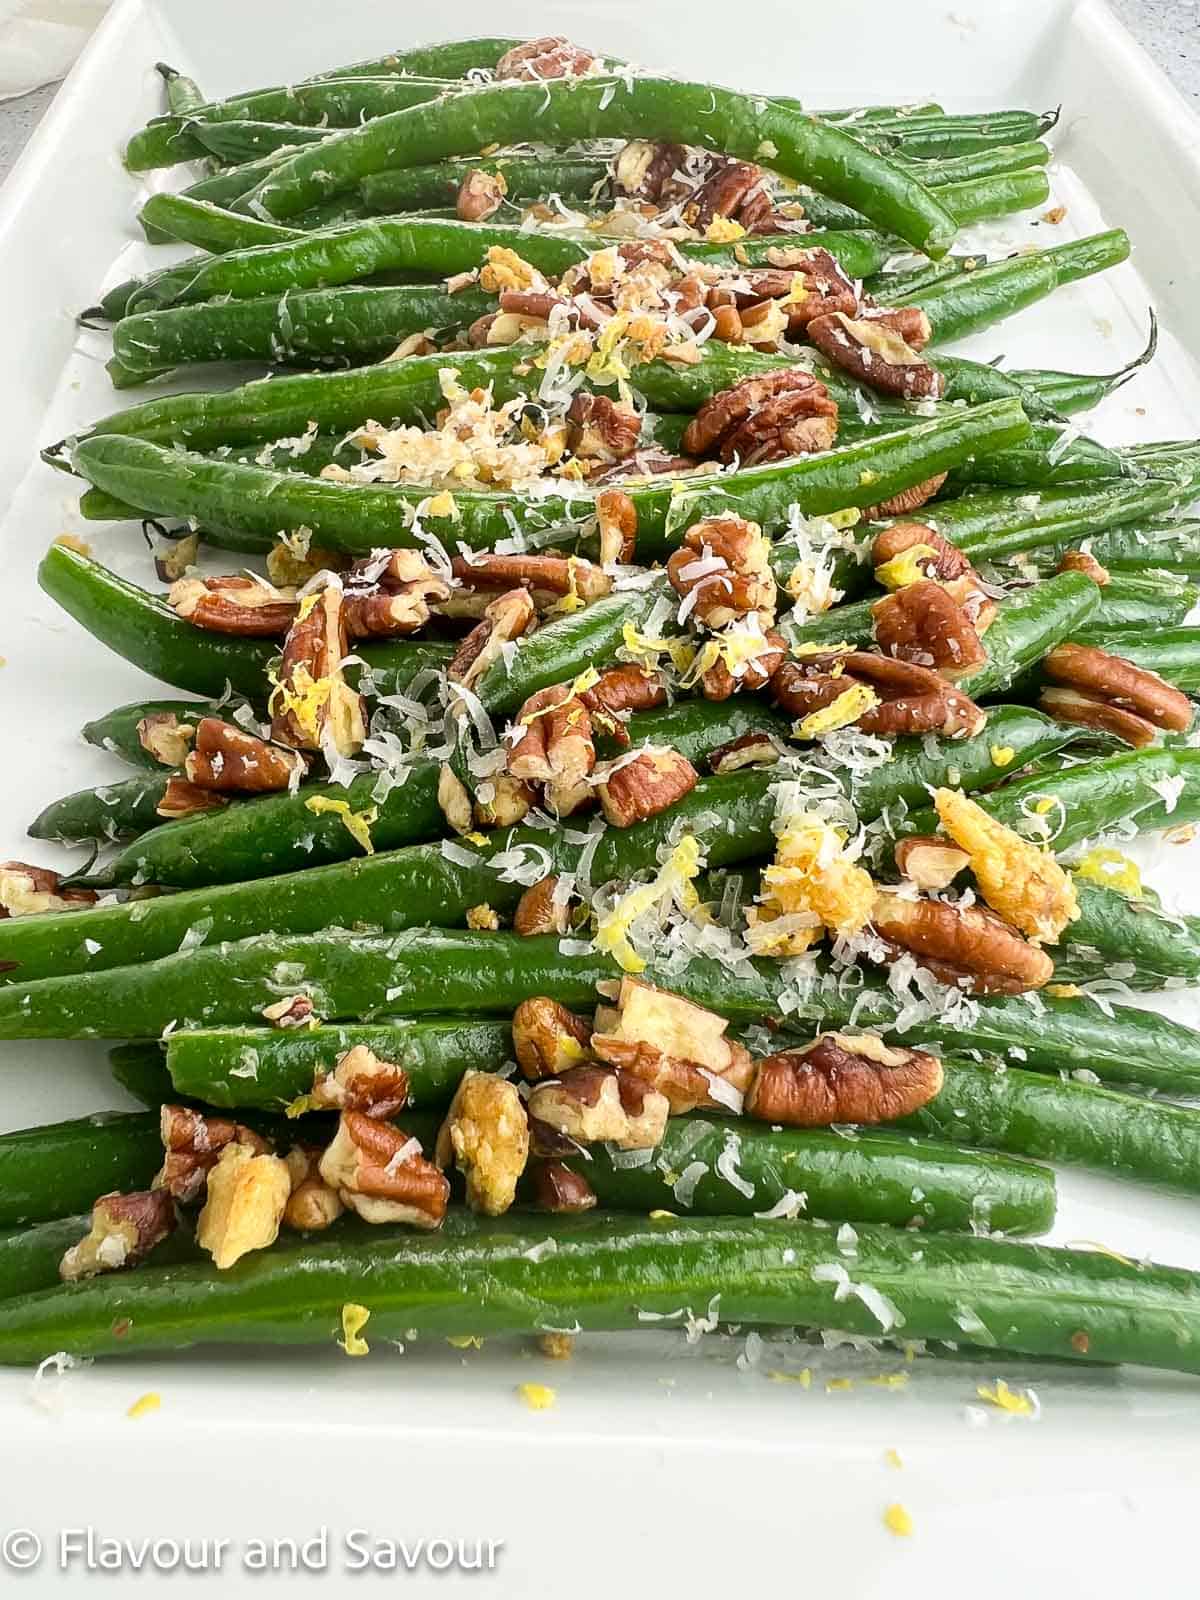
(1169, 30)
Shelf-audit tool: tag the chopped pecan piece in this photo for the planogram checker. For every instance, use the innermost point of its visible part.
(963, 945)
(486, 1135)
(558, 1188)
(1083, 561)
(732, 413)
(755, 662)
(183, 799)
(1110, 677)
(246, 1197)
(634, 788)
(480, 196)
(924, 624)
(726, 563)
(601, 429)
(675, 1047)
(906, 501)
(162, 735)
(294, 1011)
(230, 761)
(313, 706)
(312, 1204)
(930, 861)
(911, 699)
(907, 322)
(617, 522)
(734, 190)
(124, 1229)
(842, 1078)
(548, 578)
(501, 801)
(540, 910)
(26, 891)
(554, 746)
(647, 171)
(595, 1104)
(509, 616)
(192, 1144)
(1025, 885)
(618, 692)
(380, 1173)
(811, 285)
(876, 355)
(551, 56)
(234, 604)
(751, 750)
(394, 613)
(360, 1081)
(930, 555)
(548, 1039)
(454, 800)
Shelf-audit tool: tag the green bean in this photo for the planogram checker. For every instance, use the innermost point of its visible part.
(51, 1171)
(117, 731)
(805, 149)
(1146, 599)
(112, 812)
(529, 179)
(248, 139)
(1127, 937)
(207, 225)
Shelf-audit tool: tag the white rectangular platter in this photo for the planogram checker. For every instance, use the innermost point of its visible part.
(662, 1463)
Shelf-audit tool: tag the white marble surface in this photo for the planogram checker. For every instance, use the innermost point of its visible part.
(1169, 29)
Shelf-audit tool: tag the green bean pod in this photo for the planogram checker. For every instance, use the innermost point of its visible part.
(247, 139)
(1145, 599)
(1027, 624)
(207, 225)
(1126, 937)
(52, 1171)
(1168, 544)
(30, 1256)
(934, 137)
(488, 1278)
(560, 112)
(1065, 1120)
(117, 731)
(360, 517)
(108, 814)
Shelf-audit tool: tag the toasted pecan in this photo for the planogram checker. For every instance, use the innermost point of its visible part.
(842, 1078)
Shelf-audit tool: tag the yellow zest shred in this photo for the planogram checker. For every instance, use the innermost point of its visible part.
(354, 1320)
(1014, 1401)
(812, 878)
(905, 568)
(723, 230)
(1063, 991)
(838, 1385)
(572, 600)
(674, 879)
(851, 704)
(442, 505)
(814, 649)
(1002, 755)
(767, 150)
(892, 1459)
(891, 1380)
(662, 1216)
(1022, 884)
(537, 1396)
(1112, 870)
(897, 1520)
(843, 519)
(465, 1341)
(301, 1105)
(144, 1404)
(357, 823)
(644, 649)
(803, 1377)
(307, 605)
(505, 269)
(1045, 804)
(866, 477)
(303, 698)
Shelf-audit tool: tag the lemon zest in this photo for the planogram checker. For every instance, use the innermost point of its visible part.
(904, 568)
(898, 1521)
(302, 1104)
(144, 1404)
(1113, 870)
(1015, 1401)
(849, 706)
(803, 1377)
(357, 823)
(1002, 755)
(723, 230)
(675, 878)
(465, 1341)
(442, 505)
(354, 1320)
(537, 1396)
(892, 1458)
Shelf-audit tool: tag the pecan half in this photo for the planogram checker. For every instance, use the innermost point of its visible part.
(811, 285)
(753, 668)
(912, 699)
(558, 1188)
(674, 1046)
(924, 624)
(192, 1143)
(395, 613)
(539, 911)
(547, 578)
(1094, 711)
(906, 501)
(551, 56)
(162, 735)
(751, 750)
(594, 1104)
(963, 945)
(486, 1135)
(944, 560)
(617, 693)
(1083, 561)
(736, 407)
(509, 616)
(726, 563)
(908, 322)
(312, 704)
(228, 760)
(617, 523)
(312, 1204)
(480, 196)
(360, 1081)
(26, 891)
(632, 789)
(601, 429)
(1112, 678)
(732, 190)
(548, 1039)
(842, 1078)
(124, 1229)
(183, 799)
(235, 605)
(246, 1197)
(554, 746)
(876, 355)
(380, 1173)
(930, 861)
